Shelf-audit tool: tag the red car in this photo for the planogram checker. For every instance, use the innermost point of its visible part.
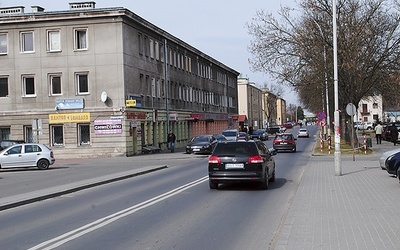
(288, 125)
(284, 141)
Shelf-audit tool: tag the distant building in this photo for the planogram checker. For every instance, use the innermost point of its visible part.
(250, 104)
(269, 108)
(280, 111)
(103, 82)
(370, 109)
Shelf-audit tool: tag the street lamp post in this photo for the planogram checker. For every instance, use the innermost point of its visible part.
(328, 119)
(338, 164)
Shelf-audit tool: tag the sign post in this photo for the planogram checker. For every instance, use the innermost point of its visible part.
(351, 111)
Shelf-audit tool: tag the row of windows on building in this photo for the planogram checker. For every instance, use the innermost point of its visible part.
(147, 46)
(27, 44)
(152, 87)
(54, 80)
(154, 49)
(156, 88)
(57, 135)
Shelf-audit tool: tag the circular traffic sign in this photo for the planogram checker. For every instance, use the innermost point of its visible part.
(351, 109)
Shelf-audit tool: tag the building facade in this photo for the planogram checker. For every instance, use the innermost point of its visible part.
(250, 103)
(94, 82)
(370, 109)
(280, 111)
(269, 108)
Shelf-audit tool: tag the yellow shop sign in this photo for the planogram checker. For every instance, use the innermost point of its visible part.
(70, 117)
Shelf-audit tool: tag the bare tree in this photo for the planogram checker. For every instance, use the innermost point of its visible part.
(292, 49)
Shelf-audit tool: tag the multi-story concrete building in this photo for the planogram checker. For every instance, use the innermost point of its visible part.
(250, 103)
(103, 81)
(280, 111)
(269, 110)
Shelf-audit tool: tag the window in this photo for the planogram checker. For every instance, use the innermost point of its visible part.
(3, 44)
(27, 42)
(57, 135)
(5, 133)
(3, 86)
(140, 39)
(153, 87)
(28, 134)
(28, 83)
(151, 49)
(84, 134)
(81, 39)
(82, 83)
(55, 85)
(32, 149)
(53, 40)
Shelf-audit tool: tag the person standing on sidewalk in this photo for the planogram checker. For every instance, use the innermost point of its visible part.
(171, 141)
(394, 134)
(378, 133)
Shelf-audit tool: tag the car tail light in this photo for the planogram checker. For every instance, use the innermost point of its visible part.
(255, 159)
(214, 159)
(51, 154)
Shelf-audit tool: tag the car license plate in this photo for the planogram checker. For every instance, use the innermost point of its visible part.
(283, 142)
(196, 149)
(234, 165)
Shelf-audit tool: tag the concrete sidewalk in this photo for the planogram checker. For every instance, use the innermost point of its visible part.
(357, 210)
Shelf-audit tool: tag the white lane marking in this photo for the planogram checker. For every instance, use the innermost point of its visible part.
(58, 241)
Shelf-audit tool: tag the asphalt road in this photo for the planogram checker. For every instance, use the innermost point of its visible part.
(171, 208)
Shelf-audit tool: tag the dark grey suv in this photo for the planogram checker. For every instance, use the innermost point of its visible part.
(241, 161)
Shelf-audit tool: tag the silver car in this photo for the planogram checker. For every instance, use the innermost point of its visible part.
(385, 155)
(27, 155)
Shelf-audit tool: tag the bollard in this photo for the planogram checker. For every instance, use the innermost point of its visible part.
(329, 145)
(365, 144)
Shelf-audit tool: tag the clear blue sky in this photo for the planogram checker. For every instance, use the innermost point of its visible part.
(216, 27)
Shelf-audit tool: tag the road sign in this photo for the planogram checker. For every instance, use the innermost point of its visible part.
(351, 109)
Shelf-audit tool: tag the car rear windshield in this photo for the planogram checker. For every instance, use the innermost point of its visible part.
(236, 148)
(284, 137)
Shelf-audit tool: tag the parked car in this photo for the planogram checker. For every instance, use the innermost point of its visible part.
(385, 155)
(303, 132)
(241, 161)
(6, 143)
(243, 136)
(284, 141)
(220, 137)
(392, 163)
(364, 125)
(260, 134)
(386, 135)
(201, 144)
(27, 155)
(231, 134)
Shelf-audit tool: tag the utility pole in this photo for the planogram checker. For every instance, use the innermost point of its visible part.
(338, 163)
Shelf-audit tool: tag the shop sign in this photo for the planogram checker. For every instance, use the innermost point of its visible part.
(102, 127)
(69, 117)
(137, 102)
(64, 104)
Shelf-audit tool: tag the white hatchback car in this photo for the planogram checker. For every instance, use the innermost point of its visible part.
(27, 155)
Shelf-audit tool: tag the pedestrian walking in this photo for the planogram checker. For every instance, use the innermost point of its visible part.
(378, 133)
(171, 141)
(394, 134)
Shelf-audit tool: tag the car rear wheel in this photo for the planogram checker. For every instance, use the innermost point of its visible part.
(213, 185)
(43, 164)
(272, 179)
(265, 184)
